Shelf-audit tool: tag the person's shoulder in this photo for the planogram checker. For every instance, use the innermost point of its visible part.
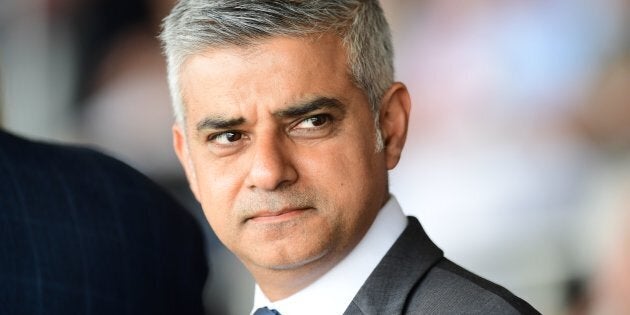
(20, 152)
(66, 160)
(84, 174)
(448, 287)
(143, 251)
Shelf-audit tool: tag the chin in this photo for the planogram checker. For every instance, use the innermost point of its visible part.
(285, 264)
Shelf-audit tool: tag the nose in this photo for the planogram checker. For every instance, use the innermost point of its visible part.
(271, 165)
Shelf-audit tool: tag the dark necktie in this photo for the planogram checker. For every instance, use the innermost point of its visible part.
(265, 311)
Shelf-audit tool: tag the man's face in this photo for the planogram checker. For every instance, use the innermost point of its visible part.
(279, 149)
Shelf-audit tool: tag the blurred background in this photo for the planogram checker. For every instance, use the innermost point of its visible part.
(518, 156)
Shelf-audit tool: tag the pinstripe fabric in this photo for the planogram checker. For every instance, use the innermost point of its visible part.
(81, 233)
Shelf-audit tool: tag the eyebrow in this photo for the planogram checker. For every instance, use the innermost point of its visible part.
(311, 106)
(293, 111)
(219, 123)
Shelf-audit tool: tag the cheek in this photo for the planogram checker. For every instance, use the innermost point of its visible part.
(218, 182)
(218, 187)
(350, 186)
(219, 214)
(326, 168)
(344, 174)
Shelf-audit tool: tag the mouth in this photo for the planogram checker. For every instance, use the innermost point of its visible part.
(276, 216)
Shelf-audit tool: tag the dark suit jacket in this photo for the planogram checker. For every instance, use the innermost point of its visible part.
(415, 278)
(82, 233)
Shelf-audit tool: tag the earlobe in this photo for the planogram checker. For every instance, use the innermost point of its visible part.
(394, 120)
(181, 150)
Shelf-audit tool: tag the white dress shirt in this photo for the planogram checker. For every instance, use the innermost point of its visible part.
(333, 292)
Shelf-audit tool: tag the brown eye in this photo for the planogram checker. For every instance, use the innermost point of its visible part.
(319, 120)
(226, 137)
(313, 122)
(233, 136)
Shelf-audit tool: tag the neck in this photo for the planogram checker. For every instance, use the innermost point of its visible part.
(278, 284)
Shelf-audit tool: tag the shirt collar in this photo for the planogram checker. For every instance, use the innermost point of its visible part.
(333, 292)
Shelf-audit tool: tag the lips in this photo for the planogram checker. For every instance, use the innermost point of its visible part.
(276, 216)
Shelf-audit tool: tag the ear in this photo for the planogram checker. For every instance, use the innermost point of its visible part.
(394, 120)
(183, 154)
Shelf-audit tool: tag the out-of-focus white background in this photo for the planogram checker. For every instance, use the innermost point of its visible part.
(518, 154)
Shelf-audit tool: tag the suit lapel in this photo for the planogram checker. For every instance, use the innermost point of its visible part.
(387, 288)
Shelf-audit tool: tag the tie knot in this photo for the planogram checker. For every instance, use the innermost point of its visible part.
(265, 311)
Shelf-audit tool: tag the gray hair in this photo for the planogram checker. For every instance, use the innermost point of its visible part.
(196, 25)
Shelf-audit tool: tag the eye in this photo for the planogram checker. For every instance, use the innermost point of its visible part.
(313, 122)
(226, 138)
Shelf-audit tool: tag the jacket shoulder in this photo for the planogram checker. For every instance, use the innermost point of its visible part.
(449, 288)
(76, 220)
